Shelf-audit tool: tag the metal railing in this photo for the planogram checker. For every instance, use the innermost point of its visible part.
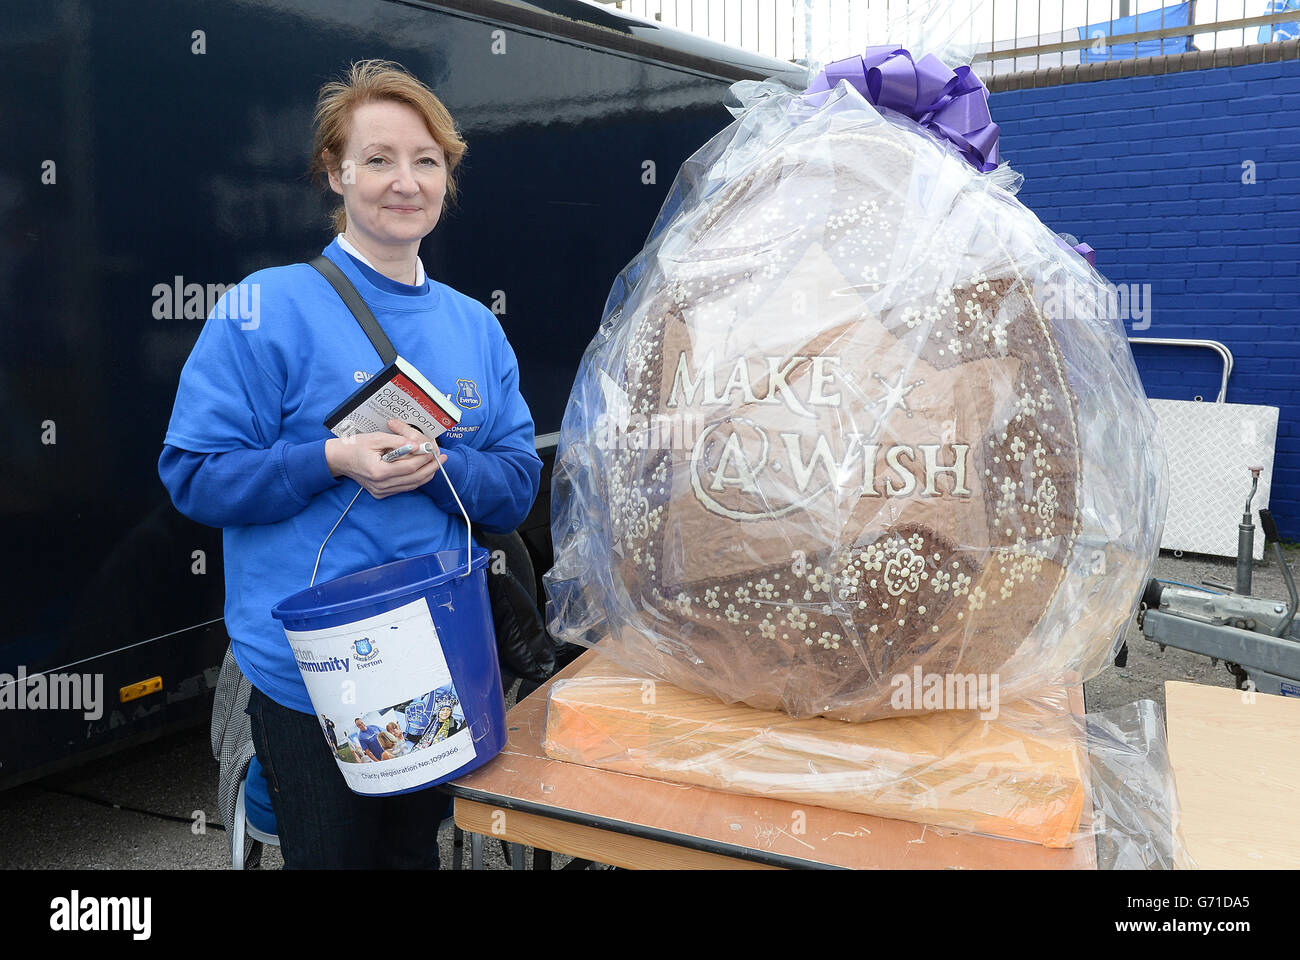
(1002, 36)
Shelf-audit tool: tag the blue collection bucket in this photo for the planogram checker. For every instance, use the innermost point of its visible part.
(401, 666)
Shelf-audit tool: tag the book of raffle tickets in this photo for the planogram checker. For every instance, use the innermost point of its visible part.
(855, 412)
(400, 392)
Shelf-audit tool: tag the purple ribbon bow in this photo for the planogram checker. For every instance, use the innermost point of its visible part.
(953, 104)
(1082, 249)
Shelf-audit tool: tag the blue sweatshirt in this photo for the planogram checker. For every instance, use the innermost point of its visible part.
(370, 741)
(245, 449)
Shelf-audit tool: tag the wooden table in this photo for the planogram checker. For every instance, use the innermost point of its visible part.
(1236, 759)
(525, 797)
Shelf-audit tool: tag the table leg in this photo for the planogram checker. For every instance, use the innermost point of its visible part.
(541, 859)
(517, 856)
(476, 851)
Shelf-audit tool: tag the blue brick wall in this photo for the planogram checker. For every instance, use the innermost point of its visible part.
(1148, 170)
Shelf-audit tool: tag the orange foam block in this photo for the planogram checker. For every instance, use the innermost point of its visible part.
(1018, 775)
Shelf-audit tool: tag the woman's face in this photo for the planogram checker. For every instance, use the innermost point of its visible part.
(392, 176)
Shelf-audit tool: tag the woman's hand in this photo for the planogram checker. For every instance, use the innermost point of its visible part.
(360, 458)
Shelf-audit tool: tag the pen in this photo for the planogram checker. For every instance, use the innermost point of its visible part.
(391, 455)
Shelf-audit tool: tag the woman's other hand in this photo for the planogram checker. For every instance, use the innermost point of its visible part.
(361, 458)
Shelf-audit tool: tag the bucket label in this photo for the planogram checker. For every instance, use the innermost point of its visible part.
(385, 699)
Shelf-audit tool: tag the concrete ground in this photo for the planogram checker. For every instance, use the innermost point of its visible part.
(155, 809)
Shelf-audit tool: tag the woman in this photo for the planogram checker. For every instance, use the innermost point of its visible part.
(445, 726)
(392, 750)
(398, 736)
(246, 449)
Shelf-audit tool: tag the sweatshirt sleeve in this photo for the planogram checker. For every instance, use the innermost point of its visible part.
(223, 462)
(496, 475)
(245, 486)
(232, 386)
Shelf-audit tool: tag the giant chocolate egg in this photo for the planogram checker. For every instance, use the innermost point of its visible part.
(837, 440)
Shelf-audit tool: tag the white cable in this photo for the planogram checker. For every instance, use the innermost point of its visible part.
(331, 533)
(468, 541)
(109, 653)
(451, 486)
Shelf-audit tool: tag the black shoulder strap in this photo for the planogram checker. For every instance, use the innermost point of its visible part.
(339, 281)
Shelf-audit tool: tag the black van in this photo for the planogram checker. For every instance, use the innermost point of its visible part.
(156, 149)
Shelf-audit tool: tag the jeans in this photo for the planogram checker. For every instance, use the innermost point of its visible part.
(321, 823)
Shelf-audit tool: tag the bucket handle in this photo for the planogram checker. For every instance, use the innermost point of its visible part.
(469, 542)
